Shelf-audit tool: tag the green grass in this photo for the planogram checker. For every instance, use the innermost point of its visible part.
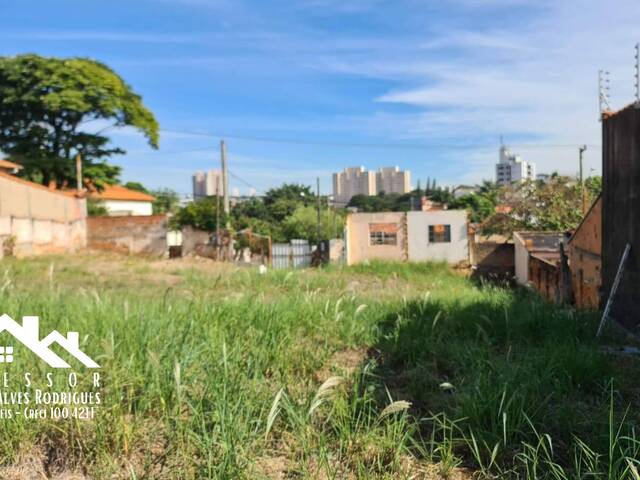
(216, 372)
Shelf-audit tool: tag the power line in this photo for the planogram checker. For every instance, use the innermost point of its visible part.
(244, 181)
(389, 146)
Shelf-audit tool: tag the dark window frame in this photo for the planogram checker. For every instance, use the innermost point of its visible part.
(440, 237)
(377, 238)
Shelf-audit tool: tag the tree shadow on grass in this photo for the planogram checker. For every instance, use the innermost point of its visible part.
(503, 363)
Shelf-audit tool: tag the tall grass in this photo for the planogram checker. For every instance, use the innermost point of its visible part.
(232, 374)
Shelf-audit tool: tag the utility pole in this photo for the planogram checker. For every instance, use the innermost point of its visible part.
(79, 173)
(318, 200)
(225, 179)
(584, 205)
(217, 217)
(603, 92)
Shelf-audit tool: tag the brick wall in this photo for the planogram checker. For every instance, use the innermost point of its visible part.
(493, 259)
(544, 276)
(129, 234)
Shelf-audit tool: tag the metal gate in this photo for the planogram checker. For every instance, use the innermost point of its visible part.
(296, 254)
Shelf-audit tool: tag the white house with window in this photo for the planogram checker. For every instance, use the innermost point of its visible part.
(434, 235)
(121, 201)
(439, 235)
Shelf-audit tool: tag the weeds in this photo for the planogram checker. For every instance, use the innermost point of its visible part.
(212, 373)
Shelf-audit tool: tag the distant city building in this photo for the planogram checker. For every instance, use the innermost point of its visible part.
(207, 184)
(353, 181)
(512, 168)
(543, 177)
(393, 180)
(358, 181)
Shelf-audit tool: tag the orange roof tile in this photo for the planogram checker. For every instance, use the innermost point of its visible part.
(118, 192)
(8, 164)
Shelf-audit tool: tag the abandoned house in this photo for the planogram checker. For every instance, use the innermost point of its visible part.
(437, 235)
(539, 246)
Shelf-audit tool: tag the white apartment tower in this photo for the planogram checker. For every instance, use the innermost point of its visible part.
(358, 181)
(353, 181)
(393, 180)
(512, 168)
(207, 184)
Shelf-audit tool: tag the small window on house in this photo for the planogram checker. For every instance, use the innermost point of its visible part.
(383, 234)
(439, 233)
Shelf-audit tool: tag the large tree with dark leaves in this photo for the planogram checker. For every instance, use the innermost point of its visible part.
(53, 108)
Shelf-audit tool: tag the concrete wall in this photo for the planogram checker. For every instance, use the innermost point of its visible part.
(193, 240)
(35, 220)
(493, 259)
(130, 234)
(357, 237)
(521, 260)
(420, 249)
(127, 207)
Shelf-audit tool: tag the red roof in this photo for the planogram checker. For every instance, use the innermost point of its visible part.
(118, 192)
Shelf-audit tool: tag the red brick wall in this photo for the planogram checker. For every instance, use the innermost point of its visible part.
(545, 278)
(129, 234)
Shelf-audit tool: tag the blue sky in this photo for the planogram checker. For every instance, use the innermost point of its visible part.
(426, 85)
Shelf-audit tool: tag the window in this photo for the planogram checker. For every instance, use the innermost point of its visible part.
(439, 233)
(383, 234)
(6, 354)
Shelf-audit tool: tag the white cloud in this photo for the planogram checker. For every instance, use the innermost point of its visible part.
(537, 80)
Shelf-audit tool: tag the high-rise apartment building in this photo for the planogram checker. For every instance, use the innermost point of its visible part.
(513, 168)
(207, 184)
(358, 181)
(393, 180)
(353, 181)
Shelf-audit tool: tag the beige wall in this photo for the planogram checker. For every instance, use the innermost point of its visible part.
(37, 221)
(358, 245)
(21, 199)
(521, 260)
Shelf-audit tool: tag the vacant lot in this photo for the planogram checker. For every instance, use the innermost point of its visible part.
(380, 371)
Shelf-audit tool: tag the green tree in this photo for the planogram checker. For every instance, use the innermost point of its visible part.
(555, 205)
(593, 185)
(303, 224)
(383, 202)
(200, 214)
(48, 104)
(290, 192)
(478, 206)
(137, 186)
(490, 190)
(166, 201)
(95, 208)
